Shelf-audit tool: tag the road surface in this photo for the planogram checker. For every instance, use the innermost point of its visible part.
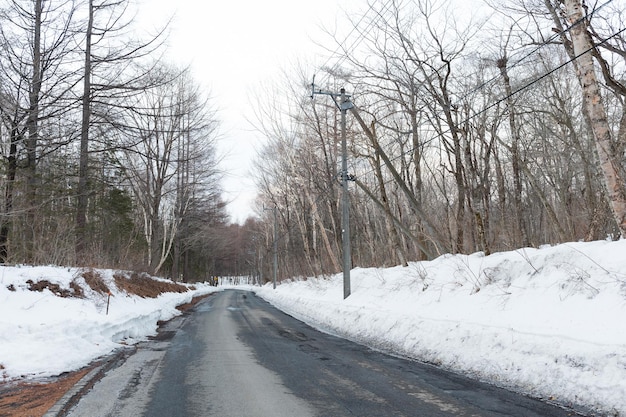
(235, 355)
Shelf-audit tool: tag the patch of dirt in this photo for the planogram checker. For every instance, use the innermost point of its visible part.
(95, 281)
(193, 302)
(34, 399)
(144, 286)
(74, 291)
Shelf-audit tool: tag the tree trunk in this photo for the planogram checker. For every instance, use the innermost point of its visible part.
(391, 229)
(317, 219)
(83, 193)
(8, 194)
(32, 124)
(419, 183)
(583, 47)
(433, 234)
(518, 209)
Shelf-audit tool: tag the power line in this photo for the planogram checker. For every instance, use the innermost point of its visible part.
(545, 43)
(478, 88)
(517, 91)
(481, 86)
(520, 89)
(340, 47)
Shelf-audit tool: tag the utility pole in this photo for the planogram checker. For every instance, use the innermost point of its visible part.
(275, 246)
(344, 105)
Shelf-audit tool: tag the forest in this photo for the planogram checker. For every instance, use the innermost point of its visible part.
(108, 151)
(474, 127)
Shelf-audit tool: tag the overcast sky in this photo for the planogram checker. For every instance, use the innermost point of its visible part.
(236, 46)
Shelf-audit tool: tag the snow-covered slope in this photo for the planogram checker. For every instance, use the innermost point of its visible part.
(43, 334)
(550, 322)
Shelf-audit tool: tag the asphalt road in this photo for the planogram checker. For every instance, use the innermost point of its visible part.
(235, 355)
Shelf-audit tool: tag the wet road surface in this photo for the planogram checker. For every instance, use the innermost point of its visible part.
(235, 355)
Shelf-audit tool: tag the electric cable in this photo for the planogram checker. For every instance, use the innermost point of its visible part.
(342, 57)
(516, 91)
(483, 85)
(543, 44)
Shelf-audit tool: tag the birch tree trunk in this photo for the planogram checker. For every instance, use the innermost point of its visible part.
(583, 48)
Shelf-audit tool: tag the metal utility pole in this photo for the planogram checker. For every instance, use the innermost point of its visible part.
(275, 246)
(344, 105)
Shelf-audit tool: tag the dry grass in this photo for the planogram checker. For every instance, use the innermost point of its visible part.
(34, 399)
(95, 281)
(144, 286)
(75, 290)
(133, 283)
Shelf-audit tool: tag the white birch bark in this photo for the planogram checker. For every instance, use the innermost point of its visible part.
(581, 42)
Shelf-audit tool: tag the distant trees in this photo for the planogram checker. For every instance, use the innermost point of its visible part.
(108, 154)
(473, 135)
(169, 160)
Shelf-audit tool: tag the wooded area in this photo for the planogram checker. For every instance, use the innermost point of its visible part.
(108, 152)
(472, 130)
(484, 132)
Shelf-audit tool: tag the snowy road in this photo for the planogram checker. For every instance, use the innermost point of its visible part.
(235, 355)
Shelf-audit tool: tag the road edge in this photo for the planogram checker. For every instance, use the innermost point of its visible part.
(62, 407)
(73, 395)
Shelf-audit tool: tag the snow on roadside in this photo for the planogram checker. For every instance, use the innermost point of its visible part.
(549, 322)
(42, 334)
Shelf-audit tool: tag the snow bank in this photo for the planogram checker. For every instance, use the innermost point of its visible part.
(42, 334)
(549, 322)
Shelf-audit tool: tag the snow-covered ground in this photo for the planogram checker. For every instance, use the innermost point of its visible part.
(550, 322)
(43, 335)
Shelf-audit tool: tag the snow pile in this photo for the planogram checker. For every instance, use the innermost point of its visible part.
(549, 322)
(43, 334)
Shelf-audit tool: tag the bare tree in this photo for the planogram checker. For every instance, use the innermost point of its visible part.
(173, 130)
(111, 55)
(584, 51)
(454, 145)
(35, 42)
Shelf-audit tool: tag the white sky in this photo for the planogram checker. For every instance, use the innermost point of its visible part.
(234, 47)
